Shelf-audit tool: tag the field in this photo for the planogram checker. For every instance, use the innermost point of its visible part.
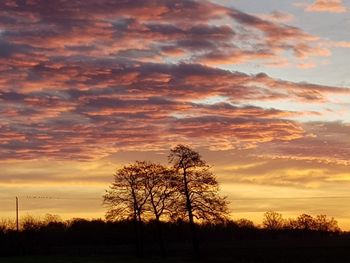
(73, 259)
(238, 254)
(107, 242)
(82, 259)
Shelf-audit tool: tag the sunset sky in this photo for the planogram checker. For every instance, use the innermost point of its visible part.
(260, 88)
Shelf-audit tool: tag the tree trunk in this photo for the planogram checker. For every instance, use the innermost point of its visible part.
(194, 236)
(140, 231)
(190, 217)
(137, 236)
(160, 237)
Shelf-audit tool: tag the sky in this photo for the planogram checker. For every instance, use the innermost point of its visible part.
(260, 88)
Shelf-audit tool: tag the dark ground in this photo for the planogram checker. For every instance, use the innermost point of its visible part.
(252, 253)
(105, 242)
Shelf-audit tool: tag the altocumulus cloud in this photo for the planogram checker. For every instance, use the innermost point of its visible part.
(77, 82)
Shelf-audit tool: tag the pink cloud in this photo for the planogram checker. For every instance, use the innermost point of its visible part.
(185, 26)
(84, 80)
(326, 142)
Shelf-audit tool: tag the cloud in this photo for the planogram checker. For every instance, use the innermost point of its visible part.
(342, 44)
(77, 82)
(277, 17)
(326, 143)
(331, 6)
(108, 28)
(319, 160)
(91, 109)
(307, 65)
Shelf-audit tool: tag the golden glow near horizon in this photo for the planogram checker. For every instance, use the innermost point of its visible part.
(260, 89)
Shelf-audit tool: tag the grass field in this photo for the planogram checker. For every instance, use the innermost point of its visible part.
(72, 259)
(263, 251)
(281, 257)
(82, 259)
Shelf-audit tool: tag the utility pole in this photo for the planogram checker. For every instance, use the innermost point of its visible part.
(17, 225)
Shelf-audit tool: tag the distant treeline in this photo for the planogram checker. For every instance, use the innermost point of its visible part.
(52, 236)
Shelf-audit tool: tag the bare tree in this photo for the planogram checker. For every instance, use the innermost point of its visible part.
(306, 222)
(198, 188)
(326, 224)
(142, 191)
(127, 197)
(273, 220)
(160, 184)
(319, 223)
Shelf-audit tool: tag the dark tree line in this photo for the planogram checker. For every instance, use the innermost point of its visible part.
(321, 223)
(187, 190)
(231, 241)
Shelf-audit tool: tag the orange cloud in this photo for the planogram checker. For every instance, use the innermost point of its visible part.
(307, 65)
(343, 44)
(332, 6)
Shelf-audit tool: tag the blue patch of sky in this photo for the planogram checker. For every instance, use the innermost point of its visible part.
(310, 111)
(332, 70)
(212, 100)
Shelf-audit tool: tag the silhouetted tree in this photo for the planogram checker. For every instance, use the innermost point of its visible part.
(50, 218)
(30, 223)
(81, 237)
(127, 198)
(306, 222)
(142, 190)
(160, 184)
(320, 223)
(291, 224)
(273, 220)
(198, 188)
(325, 224)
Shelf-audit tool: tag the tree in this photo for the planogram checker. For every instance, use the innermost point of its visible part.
(273, 220)
(306, 222)
(291, 224)
(141, 191)
(319, 223)
(160, 184)
(325, 224)
(198, 188)
(127, 197)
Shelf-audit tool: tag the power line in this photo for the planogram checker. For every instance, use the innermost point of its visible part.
(42, 197)
(23, 197)
(58, 198)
